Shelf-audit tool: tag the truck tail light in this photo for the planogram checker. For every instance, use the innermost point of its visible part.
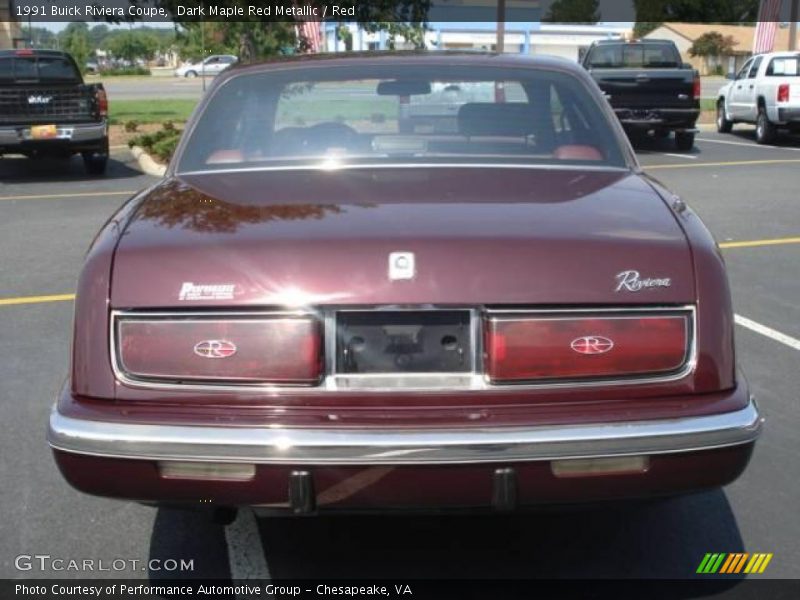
(696, 88)
(783, 92)
(273, 349)
(527, 347)
(102, 103)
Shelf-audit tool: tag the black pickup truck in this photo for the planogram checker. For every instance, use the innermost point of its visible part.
(648, 86)
(47, 110)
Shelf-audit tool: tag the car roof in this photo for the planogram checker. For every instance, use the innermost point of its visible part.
(409, 57)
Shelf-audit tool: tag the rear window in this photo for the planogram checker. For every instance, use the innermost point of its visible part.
(37, 68)
(787, 66)
(634, 56)
(403, 114)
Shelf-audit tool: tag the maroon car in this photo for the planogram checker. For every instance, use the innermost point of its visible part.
(403, 282)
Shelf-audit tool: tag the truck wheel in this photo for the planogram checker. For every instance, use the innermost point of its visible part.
(723, 124)
(191, 74)
(95, 162)
(684, 140)
(765, 130)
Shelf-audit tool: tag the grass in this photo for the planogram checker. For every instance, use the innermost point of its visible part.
(708, 104)
(149, 111)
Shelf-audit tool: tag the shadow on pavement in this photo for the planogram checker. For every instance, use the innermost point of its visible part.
(661, 539)
(19, 169)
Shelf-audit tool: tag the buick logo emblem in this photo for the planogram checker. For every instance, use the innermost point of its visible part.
(592, 344)
(402, 265)
(215, 349)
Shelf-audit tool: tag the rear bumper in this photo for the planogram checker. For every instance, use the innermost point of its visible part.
(308, 470)
(404, 447)
(78, 136)
(789, 115)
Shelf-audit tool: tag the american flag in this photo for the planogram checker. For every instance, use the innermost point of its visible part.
(764, 39)
(309, 31)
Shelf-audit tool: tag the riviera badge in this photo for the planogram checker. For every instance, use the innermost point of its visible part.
(632, 281)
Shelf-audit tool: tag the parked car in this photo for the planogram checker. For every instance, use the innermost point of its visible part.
(213, 65)
(765, 91)
(649, 87)
(340, 315)
(47, 110)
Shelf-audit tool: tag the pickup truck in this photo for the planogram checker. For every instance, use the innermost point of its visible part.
(648, 86)
(765, 91)
(47, 110)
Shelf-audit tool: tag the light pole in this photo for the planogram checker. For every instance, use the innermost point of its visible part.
(793, 25)
(501, 26)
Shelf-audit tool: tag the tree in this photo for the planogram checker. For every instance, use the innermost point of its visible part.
(131, 45)
(573, 11)
(705, 11)
(98, 34)
(712, 43)
(75, 40)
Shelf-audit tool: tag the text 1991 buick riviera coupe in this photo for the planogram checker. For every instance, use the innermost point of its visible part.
(395, 282)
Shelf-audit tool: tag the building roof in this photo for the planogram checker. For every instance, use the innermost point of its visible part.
(742, 34)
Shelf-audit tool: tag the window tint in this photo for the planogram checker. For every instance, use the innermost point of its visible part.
(754, 68)
(388, 113)
(634, 56)
(786, 66)
(41, 68)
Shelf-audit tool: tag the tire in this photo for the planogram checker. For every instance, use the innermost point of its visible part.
(96, 162)
(191, 74)
(765, 130)
(723, 124)
(684, 140)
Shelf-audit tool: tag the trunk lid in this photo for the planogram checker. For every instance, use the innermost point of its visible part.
(524, 236)
(647, 88)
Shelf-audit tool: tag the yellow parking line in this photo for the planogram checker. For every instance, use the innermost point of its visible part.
(36, 299)
(78, 195)
(731, 163)
(756, 243)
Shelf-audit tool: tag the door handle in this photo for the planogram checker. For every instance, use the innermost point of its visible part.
(751, 87)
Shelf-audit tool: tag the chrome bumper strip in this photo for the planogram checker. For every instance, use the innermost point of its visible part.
(401, 447)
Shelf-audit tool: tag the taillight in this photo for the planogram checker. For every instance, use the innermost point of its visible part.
(527, 347)
(102, 103)
(696, 88)
(783, 92)
(276, 349)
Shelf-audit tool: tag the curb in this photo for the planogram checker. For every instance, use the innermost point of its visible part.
(146, 162)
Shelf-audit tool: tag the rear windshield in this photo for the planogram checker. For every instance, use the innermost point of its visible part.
(37, 68)
(402, 113)
(634, 56)
(784, 66)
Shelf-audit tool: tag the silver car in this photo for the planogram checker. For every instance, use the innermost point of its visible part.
(213, 65)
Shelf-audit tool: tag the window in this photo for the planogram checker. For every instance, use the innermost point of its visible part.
(378, 113)
(40, 68)
(754, 68)
(634, 55)
(784, 66)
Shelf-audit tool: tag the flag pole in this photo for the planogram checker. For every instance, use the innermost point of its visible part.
(793, 25)
(501, 26)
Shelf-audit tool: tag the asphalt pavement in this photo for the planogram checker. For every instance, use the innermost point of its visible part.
(747, 195)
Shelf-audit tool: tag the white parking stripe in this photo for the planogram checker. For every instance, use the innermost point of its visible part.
(767, 331)
(689, 156)
(245, 553)
(749, 145)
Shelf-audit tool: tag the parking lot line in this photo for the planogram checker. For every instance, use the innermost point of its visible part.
(731, 163)
(36, 299)
(767, 331)
(749, 145)
(77, 195)
(756, 243)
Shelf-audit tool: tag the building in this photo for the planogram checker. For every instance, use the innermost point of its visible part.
(561, 39)
(10, 33)
(685, 34)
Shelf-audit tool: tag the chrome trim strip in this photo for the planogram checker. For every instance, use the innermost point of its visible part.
(268, 445)
(477, 382)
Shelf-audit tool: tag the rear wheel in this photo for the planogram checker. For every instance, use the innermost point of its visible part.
(765, 130)
(684, 140)
(95, 162)
(723, 124)
(191, 74)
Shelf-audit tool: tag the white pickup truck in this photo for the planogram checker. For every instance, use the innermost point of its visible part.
(765, 91)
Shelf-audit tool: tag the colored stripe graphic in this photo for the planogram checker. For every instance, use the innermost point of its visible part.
(740, 563)
(764, 564)
(734, 563)
(729, 562)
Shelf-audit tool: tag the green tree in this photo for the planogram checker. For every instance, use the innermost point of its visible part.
(712, 43)
(75, 40)
(98, 34)
(573, 11)
(131, 45)
(705, 11)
